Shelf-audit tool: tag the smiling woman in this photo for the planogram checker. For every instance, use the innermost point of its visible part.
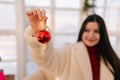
(93, 48)
(64, 18)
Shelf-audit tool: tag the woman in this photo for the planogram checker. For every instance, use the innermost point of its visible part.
(91, 58)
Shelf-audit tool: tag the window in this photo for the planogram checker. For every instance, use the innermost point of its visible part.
(109, 9)
(8, 45)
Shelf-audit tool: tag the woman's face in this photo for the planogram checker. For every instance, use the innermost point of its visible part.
(91, 35)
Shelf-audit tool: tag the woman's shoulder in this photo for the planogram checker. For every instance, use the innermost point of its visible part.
(71, 45)
(78, 45)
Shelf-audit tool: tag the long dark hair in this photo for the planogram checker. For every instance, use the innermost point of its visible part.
(104, 47)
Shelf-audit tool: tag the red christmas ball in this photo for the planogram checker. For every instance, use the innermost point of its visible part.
(43, 36)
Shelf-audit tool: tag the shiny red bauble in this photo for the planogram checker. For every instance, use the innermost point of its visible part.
(43, 36)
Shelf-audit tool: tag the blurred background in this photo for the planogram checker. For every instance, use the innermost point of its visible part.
(64, 19)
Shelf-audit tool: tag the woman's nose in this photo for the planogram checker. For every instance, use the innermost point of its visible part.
(91, 34)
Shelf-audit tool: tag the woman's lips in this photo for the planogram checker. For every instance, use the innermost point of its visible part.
(91, 40)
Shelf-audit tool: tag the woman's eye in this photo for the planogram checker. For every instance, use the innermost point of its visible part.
(96, 31)
(86, 30)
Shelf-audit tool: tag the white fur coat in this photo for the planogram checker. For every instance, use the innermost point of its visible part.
(71, 62)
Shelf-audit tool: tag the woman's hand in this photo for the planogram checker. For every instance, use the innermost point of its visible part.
(37, 19)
